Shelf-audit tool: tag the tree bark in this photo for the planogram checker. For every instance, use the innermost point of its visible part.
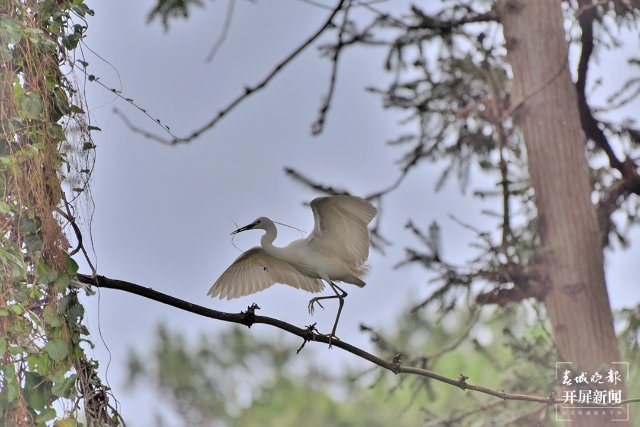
(571, 254)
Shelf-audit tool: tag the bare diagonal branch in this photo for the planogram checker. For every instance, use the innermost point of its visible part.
(249, 318)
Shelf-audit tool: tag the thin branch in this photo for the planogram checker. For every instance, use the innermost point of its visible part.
(378, 194)
(316, 4)
(496, 113)
(318, 126)
(589, 123)
(250, 90)
(382, 16)
(622, 97)
(455, 419)
(325, 189)
(455, 344)
(223, 33)
(139, 130)
(527, 96)
(68, 215)
(614, 196)
(432, 22)
(119, 94)
(308, 334)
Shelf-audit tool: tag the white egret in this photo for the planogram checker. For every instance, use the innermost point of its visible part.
(336, 250)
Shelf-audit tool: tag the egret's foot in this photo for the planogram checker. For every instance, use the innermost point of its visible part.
(332, 337)
(314, 301)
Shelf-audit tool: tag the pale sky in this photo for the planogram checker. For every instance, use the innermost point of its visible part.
(163, 214)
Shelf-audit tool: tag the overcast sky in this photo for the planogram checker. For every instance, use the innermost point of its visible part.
(163, 214)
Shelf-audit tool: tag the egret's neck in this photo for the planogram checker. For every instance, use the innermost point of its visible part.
(269, 236)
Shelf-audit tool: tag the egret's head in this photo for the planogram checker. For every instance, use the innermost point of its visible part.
(259, 224)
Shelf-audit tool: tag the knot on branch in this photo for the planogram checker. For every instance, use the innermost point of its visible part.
(310, 335)
(395, 363)
(250, 315)
(462, 381)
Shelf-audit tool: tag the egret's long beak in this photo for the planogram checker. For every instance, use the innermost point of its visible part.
(241, 229)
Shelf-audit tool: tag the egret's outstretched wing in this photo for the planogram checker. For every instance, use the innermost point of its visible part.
(256, 270)
(341, 227)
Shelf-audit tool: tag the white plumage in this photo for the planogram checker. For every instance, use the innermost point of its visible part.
(336, 250)
(256, 270)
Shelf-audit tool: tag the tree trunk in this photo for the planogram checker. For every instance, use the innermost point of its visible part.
(571, 254)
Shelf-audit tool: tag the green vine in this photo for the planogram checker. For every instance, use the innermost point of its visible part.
(45, 376)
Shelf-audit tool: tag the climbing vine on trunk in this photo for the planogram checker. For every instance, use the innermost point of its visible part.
(46, 156)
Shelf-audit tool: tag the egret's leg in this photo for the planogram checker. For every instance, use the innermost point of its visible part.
(340, 294)
(341, 297)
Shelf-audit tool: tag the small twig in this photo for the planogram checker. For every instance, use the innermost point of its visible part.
(223, 33)
(311, 331)
(139, 130)
(325, 189)
(76, 230)
(613, 196)
(496, 113)
(119, 94)
(380, 342)
(460, 339)
(527, 96)
(378, 194)
(318, 126)
(316, 4)
(68, 215)
(456, 418)
(432, 22)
